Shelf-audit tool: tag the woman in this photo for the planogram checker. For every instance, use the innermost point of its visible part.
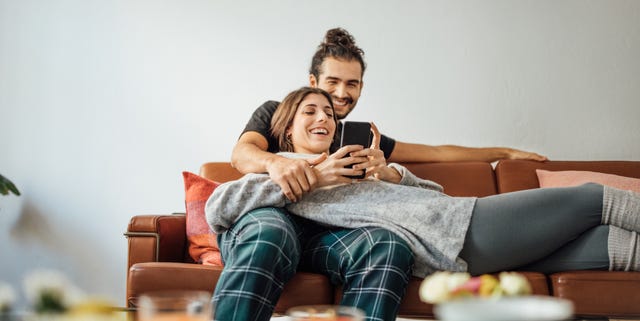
(546, 230)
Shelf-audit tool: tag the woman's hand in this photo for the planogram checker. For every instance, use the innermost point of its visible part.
(376, 164)
(332, 170)
(371, 160)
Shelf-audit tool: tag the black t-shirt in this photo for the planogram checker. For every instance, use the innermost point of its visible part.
(261, 122)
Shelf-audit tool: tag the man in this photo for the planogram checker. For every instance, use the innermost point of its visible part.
(338, 68)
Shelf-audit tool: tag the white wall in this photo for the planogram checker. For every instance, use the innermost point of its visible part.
(104, 103)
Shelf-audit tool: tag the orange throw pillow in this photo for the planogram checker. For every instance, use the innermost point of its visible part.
(203, 245)
(574, 178)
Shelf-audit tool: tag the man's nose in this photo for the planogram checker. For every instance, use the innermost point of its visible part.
(340, 91)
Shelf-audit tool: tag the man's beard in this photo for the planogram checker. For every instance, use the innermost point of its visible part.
(347, 109)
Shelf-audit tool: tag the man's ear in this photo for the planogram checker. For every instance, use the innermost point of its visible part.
(313, 82)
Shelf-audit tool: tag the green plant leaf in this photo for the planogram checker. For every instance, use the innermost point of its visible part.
(7, 186)
(50, 302)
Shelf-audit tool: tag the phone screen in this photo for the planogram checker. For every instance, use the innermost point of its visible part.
(356, 133)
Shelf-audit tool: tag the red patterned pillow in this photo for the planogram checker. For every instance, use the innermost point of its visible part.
(203, 245)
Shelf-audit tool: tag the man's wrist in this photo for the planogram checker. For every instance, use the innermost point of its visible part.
(269, 161)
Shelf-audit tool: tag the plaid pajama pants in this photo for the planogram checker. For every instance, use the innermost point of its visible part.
(266, 246)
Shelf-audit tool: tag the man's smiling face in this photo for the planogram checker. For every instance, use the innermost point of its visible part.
(343, 81)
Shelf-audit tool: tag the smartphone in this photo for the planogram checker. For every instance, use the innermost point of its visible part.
(356, 133)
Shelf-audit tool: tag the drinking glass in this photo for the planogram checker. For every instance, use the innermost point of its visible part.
(175, 306)
(325, 313)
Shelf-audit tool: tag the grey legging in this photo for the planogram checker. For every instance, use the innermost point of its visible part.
(545, 230)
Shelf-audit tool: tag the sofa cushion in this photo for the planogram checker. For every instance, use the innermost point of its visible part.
(516, 175)
(574, 178)
(203, 245)
(303, 289)
(607, 293)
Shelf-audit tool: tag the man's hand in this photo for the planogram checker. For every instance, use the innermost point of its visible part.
(294, 176)
(519, 154)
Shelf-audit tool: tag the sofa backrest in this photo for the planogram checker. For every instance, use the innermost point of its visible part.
(516, 175)
(458, 179)
(474, 178)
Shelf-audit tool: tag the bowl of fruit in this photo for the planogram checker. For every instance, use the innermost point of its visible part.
(506, 297)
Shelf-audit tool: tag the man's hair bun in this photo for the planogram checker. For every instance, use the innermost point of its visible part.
(339, 37)
(338, 43)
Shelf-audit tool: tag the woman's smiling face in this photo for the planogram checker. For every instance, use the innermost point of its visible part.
(313, 125)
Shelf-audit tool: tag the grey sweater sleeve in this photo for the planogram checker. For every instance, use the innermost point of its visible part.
(232, 199)
(409, 179)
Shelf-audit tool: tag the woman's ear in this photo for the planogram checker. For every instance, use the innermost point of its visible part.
(287, 134)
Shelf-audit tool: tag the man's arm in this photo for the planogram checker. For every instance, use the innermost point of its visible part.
(406, 152)
(250, 154)
(295, 176)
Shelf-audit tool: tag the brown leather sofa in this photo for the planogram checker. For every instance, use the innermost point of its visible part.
(158, 258)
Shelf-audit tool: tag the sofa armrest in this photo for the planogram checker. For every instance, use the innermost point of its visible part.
(156, 238)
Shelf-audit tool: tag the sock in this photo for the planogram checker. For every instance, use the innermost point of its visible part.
(621, 208)
(624, 250)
